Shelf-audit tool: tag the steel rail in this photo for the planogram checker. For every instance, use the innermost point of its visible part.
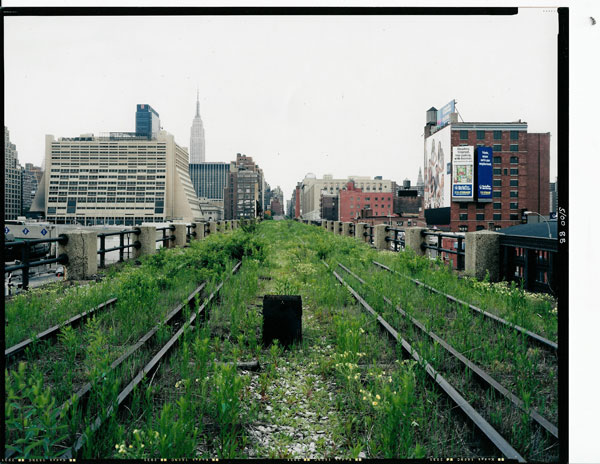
(148, 369)
(18, 350)
(533, 336)
(480, 373)
(486, 429)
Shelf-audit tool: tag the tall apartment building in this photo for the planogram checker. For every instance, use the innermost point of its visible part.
(209, 179)
(29, 176)
(244, 192)
(311, 188)
(147, 121)
(197, 144)
(420, 184)
(330, 206)
(117, 178)
(483, 175)
(12, 179)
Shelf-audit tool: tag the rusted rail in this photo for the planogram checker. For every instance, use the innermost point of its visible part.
(535, 338)
(480, 423)
(484, 377)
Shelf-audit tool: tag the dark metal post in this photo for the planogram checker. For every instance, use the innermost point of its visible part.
(102, 248)
(460, 258)
(121, 244)
(439, 245)
(25, 262)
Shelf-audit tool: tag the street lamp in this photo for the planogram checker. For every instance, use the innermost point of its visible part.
(527, 213)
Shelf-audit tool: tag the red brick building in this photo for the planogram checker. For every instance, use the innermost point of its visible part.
(352, 200)
(521, 171)
(520, 174)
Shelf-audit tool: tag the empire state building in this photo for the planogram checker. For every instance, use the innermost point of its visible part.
(197, 137)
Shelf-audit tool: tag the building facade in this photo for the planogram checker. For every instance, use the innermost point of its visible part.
(197, 144)
(554, 196)
(484, 175)
(209, 179)
(29, 176)
(147, 122)
(116, 179)
(330, 207)
(12, 179)
(311, 188)
(244, 192)
(353, 200)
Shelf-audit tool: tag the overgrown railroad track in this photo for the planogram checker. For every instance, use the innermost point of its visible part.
(346, 391)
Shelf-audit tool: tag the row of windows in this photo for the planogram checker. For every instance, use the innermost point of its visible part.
(464, 135)
(495, 217)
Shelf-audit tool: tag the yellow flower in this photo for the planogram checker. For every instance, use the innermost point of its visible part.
(364, 398)
(378, 397)
(374, 403)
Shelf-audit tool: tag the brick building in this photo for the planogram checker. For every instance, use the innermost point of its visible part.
(329, 206)
(458, 194)
(243, 196)
(352, 200)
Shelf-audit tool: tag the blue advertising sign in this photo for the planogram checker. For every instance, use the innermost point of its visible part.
(444, 113)
(484, 173)
(462, 191)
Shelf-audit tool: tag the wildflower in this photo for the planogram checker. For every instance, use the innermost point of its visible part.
(130, 446)
(378, 397)
(136, 431)
(197, 380)
(117, 445)
(361, 330)
(142, 445)
(178, 384)
(374, 403)
(414, 424)
(364, 398)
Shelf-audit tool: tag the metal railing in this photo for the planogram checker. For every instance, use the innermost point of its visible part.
(122, 246)
(189, 232)
(25, 262)
(532, 260)
(166, 238)
(459, 251)
(398, 242)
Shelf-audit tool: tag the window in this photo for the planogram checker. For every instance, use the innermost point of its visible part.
(514, 182)
(497, 135)
(497, 171)
(497, 205)
(497, 217)
(514, 147)
(506, 172)
(514, 172)
(463, 205)
(496, 193)
(480, 216)
(497, 183)
(479, 228)
(464, 135)
(514, 135)
(514, 160)
(514, 194)
(480, 135)
(514, 206)
(497, 147)
(514, 217)
(463, 216)
(497, 160)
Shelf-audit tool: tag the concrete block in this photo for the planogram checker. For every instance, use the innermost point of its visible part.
(199, 229)
(346, 229)
(413, 239)
(82, 250)
(482, 253)
(330, 225)
(379, 237)
(337, 227)
(180, 233)
(359, 231)
(147, 239)
(212, 227)
(324, 224)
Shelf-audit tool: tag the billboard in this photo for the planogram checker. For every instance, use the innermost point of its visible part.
(443, 115)
(484, 174)
(436, 172)
(462, 173)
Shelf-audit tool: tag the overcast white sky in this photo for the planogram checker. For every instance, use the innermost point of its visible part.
(340, 95)
(345, 96)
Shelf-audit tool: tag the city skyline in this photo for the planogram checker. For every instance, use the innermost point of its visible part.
(328, 95)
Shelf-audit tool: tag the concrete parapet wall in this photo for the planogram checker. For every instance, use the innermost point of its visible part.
(199, 229)
(212, 226)
(346, 229)
(330, 226)
(180, 233)
(337, 225)
(482, 254)
(82, 250)
(147, 239)
(413, 239)
(359, 231)
(379, 237)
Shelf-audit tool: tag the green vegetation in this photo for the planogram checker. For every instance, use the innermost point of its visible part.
(343, 391)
